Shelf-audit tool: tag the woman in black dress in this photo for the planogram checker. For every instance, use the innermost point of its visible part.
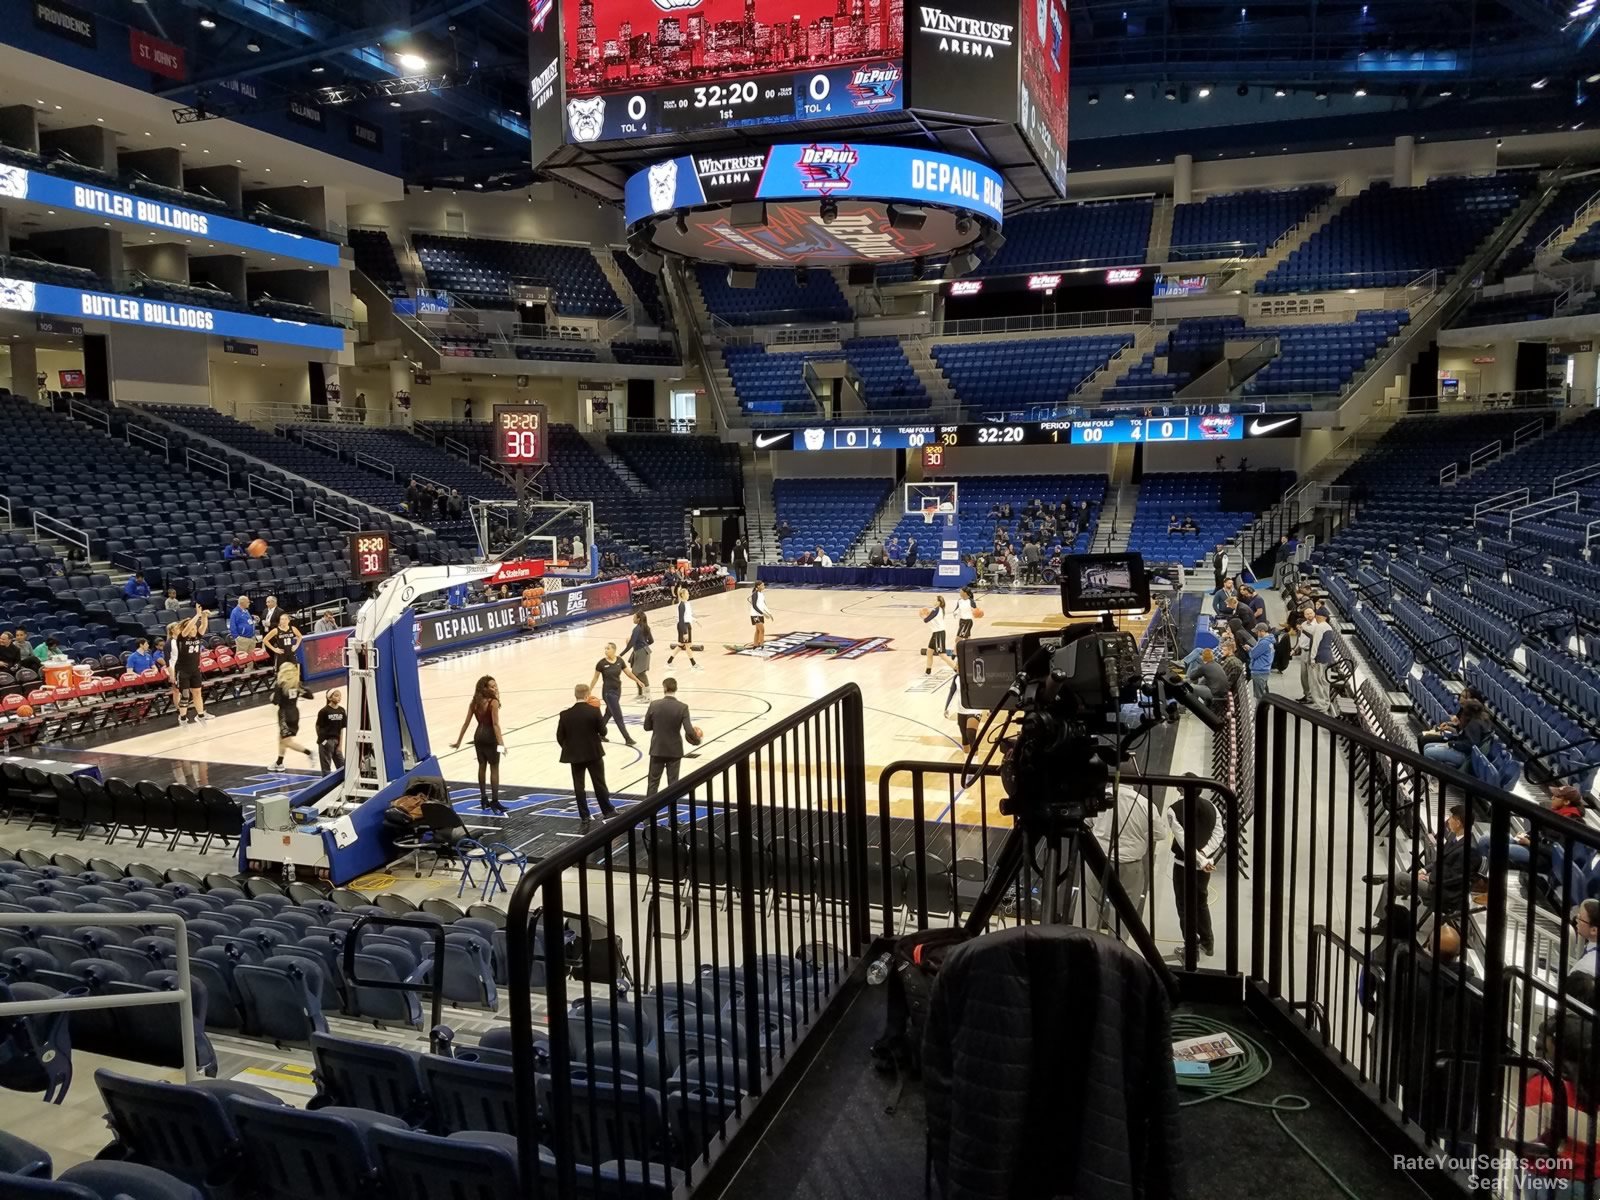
(488, 741)
(611, 669)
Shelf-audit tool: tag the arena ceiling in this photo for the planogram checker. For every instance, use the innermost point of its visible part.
(1149, 76)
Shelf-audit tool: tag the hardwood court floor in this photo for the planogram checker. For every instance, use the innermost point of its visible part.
(829, 637)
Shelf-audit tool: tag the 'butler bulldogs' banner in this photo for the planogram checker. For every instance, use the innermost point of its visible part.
(817, 171)
(26, 296)
(454, 628)
(19, 183)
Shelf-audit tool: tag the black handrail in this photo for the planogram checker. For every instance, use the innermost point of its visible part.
(437, 988)
(643, 814)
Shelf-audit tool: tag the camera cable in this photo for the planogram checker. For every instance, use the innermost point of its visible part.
(1230, 1076)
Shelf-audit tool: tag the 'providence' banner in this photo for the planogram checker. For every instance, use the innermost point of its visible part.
(19, 183)
(454, 628)
(24, 295)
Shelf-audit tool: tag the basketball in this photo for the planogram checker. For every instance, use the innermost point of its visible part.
(923, 612)
(24, 710)
(978, 613)
(257, 548)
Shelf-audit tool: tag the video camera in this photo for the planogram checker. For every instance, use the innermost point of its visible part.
(1077, 695)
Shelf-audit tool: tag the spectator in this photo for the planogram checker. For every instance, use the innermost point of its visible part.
(577, 549)
(269, 618)
(10, 656)
(136, 588)
(1567, 1040)
(1223, 599)
(1564, 801)
(1285, 569)
(413, 498)
(822, 558)
(1228, 657)
(1030, 561)
(1209, 679)
(784, 530)
(172, 603)
(741, 559)
(235, 549)
(1443, 888)
(911, 552)
(1427, 1014)
(360, 407)
(1261, 657)
(697, 553)
(49, 649)
(1219, 566)
(1174, 525)
(580, 733)
(667, 721)
(19, 639)
(1128, 833)
(242, 627)
(1308, 643)
(1257, 606)
(141, 660)
(331, 722)
(1472, 731)
(327, 622)
(1194, 914)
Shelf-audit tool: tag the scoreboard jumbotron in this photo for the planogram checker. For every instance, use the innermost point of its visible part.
(1089, 431)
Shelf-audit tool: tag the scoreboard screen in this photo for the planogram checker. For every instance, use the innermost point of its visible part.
(1088, 431)
(521, 435)
(636, 68)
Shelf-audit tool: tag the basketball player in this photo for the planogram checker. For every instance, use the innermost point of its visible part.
(760, 614)
(188, 641)
(939, 618)
(966, 612)
(685, 630)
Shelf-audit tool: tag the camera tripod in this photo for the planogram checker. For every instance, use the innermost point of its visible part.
(1069, 846)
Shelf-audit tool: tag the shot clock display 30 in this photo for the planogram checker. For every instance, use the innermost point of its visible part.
(521, 435)
(369, 555)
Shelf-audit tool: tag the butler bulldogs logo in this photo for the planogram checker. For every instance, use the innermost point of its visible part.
(814, 438)
(826, 169)
(663, 185)
(676, 5)
(587, 117)
(16, 295)
(873, 87)
(14, 182)
(538, 13)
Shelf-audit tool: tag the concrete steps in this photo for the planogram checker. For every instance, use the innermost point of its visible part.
(1258, 269)
(928, 373)
(619, 281)
(1160, 230)
(1093, 388)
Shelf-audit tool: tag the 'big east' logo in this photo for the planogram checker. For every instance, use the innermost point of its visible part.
(826, 169)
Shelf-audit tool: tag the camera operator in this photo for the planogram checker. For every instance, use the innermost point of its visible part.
(1128, 833)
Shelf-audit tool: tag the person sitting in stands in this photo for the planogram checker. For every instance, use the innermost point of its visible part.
(1174, 525)
(1188, 525)
(1564, 801)
(50, 648)
(141, 660)
(1209, 680)
(326, 623)
(784, 529)
(136, 588)
(234, 549)
(19, 639)
(172, 603)
(10, 656)
(1473, 730)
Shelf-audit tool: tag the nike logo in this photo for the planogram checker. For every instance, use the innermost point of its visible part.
(1259, 428)
(763, 440)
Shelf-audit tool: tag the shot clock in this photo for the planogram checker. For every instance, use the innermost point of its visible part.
(369, 555)
(521, 435)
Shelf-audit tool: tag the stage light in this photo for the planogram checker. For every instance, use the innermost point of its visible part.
(414, 63)
(1094, 97)
(992, 241)
(1242, 90)
(1170, 93)
(907, 217)
(961, 264)
(963, 225)
(207, 21)
(1128, 93)
(828, 210)
(1203, 91)
(743, 278)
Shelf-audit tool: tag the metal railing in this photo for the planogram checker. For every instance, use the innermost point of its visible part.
(749, 876)
(373, 463)
(323, 511)
(199, 460)
(1585, 216)
(309, 438)
(136, 432)
(1541, 508)
(90, 414)
(45, 526)
(1580, 475)
(182, 995)
(1500, 503)
(254, 484)
(1043, 322)
(6, 514)
(1425, 1038)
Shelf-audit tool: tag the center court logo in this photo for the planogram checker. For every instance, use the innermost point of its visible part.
(826, 169)
(814, 645)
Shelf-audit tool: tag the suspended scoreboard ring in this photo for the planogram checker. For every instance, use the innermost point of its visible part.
(823, 204)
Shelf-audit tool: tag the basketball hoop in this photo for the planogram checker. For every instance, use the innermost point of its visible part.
(931, 509)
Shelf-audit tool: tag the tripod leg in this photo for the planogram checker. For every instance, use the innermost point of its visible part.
(984, 906)
(1094, 860)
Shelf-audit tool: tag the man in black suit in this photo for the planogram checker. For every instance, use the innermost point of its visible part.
(578, 733)
(667, 721)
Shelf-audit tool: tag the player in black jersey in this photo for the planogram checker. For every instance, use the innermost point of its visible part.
(187, 644)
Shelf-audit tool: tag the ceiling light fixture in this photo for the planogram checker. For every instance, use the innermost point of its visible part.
(317, 68)
(1446, 92)
(1203, 91)
(1242, 90)
(1128, 93)
(394, 104)
(1280, 92)
(253, 46)
(1539, 85)
(1170, 93)
(207, 21)
(1322, 93)
(414, 63)
(1094, 98)
(1360, 92)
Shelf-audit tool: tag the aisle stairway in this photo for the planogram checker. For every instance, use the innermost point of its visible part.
(1259, 268)
(1094, 388)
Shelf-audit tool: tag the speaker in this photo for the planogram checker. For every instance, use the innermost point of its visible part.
(863, 275)
(907, 217)
(748, 215)
(742, 277)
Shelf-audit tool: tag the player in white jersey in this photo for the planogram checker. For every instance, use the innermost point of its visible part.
(685, 642)
(760, 614)
(967, 611)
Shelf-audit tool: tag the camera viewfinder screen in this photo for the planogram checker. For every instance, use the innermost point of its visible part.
(1095, 583)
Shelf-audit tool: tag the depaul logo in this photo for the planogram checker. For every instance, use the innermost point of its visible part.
(872, 87)
(539, 12)
(676, 5)
(826, 169)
